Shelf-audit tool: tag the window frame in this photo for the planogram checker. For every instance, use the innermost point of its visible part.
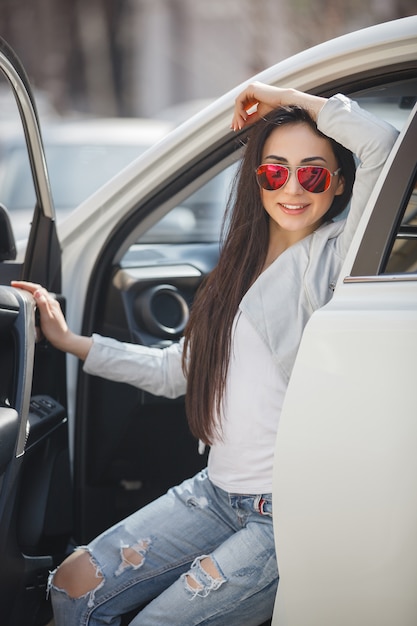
(384, 223)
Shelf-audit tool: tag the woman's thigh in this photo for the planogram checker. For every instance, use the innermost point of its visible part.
(201, 554)
(240, 592)
(141, 556)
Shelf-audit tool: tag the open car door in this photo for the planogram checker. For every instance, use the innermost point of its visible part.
(35, 484)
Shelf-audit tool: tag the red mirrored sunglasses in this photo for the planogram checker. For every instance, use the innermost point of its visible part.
(312, 178)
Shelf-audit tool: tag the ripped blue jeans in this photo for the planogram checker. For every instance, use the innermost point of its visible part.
(197, 555)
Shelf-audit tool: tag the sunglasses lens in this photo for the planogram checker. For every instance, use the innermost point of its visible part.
(314, 179)
(272, 176)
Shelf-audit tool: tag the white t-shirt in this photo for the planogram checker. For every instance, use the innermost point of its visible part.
(242, 461)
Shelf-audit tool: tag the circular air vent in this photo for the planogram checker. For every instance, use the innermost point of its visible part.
(162, 310)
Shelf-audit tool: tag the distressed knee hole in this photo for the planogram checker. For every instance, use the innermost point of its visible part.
(203, 577)
(78, 575)
(133, 557)
(208, 566)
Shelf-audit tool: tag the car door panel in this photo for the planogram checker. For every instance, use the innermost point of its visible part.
(17, 342)
(35, 482)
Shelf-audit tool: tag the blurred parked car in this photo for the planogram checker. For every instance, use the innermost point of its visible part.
(82, 155)
(78, 453)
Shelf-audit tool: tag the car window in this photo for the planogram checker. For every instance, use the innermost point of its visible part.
(199, 217)
(403, 257)
(388, 245)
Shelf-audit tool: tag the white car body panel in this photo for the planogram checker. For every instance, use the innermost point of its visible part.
(363, 453)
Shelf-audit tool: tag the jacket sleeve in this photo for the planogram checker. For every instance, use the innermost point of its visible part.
(155, 370)
(370, 139)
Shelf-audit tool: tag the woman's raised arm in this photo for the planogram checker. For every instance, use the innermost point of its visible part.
(264, 98)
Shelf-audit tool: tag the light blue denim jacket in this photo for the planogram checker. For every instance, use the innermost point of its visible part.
(286, 294)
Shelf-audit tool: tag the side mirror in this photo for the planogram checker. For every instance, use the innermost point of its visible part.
(7, 240)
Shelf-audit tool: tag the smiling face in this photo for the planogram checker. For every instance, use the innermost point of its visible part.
(294, 212)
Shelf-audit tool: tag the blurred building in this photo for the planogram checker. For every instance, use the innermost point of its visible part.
(140, 57)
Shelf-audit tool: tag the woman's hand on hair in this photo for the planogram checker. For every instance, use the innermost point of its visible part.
(258, 99)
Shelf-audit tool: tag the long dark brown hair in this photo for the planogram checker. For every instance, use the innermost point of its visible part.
(244, 246)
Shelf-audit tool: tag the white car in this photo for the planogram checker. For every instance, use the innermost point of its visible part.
(82, 154)
(345, 483)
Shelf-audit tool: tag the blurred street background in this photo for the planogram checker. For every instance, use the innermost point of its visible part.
(146, 57)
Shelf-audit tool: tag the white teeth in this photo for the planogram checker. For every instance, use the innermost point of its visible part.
(292, 207)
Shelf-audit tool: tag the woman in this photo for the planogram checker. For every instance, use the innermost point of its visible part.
(204, 553)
